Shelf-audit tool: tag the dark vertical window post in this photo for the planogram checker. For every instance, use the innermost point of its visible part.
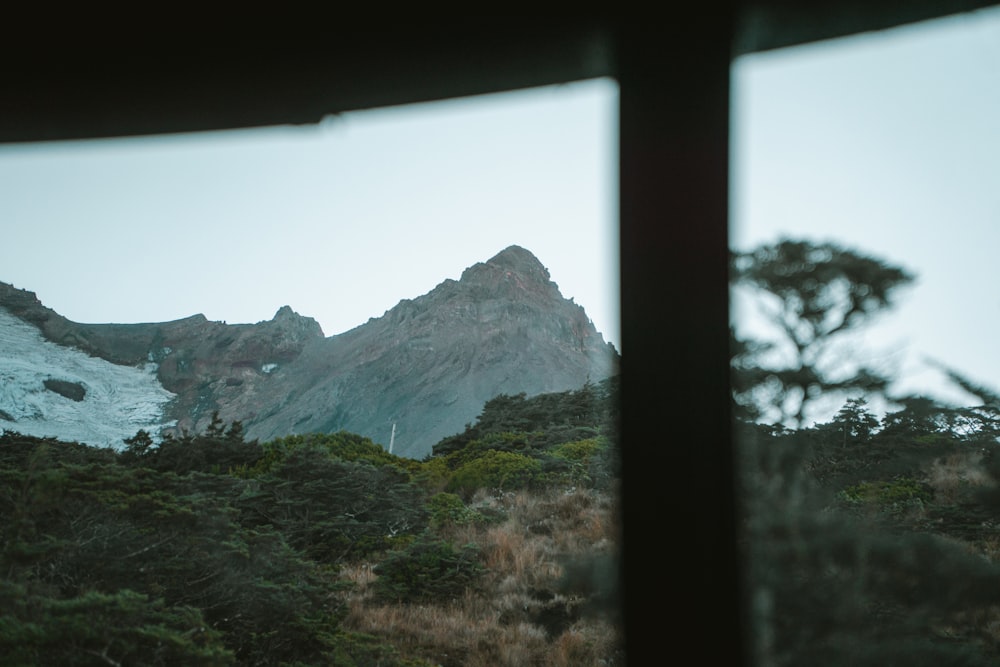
(681, 588)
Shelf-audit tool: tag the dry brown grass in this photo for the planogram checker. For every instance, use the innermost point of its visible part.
(983, 623)
(507, 619)
(990, 548)
(571, 649)
(952, 477)
(359, 574)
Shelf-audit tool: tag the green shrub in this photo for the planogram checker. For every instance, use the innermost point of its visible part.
(433, 474)
(447, 509)
(331, 509)
(495, 471)
(577, 462)
(428, 570)
(340, 446)
(580, 451)
(103, 628)
(903, 490)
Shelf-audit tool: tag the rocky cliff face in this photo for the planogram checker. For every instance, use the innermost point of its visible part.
(427, 365)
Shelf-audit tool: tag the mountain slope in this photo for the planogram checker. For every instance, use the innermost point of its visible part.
(427, 365)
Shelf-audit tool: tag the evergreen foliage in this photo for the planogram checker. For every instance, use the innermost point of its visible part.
(206, 549)
(427, 570)
(566, 438)
(342, 446)
(331, 509)
(447, 509)
(540, 422)
(182, 566)
(496, 471)
(856, 422)
(864, 573)
(218, 450)
(124, 627)
(813, 294)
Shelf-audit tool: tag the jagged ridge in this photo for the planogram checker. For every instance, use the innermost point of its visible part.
(428, 364)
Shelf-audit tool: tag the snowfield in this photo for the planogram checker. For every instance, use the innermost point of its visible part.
(119, 400)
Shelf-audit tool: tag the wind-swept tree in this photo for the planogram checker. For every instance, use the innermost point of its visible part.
(855, 422)
(814, 294)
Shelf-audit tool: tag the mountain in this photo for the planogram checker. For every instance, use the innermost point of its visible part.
(426, 365)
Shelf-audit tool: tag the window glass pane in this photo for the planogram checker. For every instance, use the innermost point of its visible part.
(865, 208)
(370, 475)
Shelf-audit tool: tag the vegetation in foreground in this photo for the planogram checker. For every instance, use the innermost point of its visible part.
(318, 549)
(869, 540)
(874, 547)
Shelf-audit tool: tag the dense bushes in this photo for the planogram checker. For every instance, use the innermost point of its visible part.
(855, 556)
(330, 509)
(341, 446)
(447, 509)
(427, 570)
(193, 568)
(888, 493)
(541, 422)
(123, 627)
(560, 439)
(495, 471)
(210, 550)
(218, 450)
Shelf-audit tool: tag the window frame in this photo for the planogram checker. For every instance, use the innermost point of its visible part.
(680, 574)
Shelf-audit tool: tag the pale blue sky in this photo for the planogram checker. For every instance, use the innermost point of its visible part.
(889, 143)
(340, 221)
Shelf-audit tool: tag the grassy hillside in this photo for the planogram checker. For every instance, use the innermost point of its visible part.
(318, 549)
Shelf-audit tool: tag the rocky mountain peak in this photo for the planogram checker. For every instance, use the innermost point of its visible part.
(421, 371)
(289, 320)
(516, 258)
(513, 273)
(285, 313)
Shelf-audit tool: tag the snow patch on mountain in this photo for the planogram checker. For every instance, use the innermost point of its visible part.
(117, 400)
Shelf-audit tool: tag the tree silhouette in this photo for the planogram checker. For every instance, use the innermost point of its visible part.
(855, 422)
(813, 294)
